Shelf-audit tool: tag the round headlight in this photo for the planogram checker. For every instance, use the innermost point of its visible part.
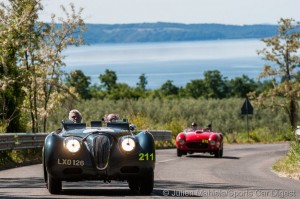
(181, 142)
(212, 142)
(72, 145)
(128, 144)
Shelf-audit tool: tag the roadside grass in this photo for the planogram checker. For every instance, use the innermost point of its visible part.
(290, 164)
(259, 135)
(16, 158)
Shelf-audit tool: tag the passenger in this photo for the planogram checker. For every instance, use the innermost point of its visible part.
(75, 116)
(208, 127)
(111, 117)
(194, 126)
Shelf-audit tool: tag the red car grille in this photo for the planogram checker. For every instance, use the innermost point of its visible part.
(197, 145)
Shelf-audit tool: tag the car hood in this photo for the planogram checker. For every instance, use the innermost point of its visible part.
(192, 136)
(89, 131)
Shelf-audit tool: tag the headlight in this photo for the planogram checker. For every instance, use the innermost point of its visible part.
(181, 142)
(73, 145)
(128, 144)
(212, 142)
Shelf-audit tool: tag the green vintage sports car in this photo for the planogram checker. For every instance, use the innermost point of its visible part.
(113, 152)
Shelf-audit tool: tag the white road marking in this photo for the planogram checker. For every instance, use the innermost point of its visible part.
(166, 160)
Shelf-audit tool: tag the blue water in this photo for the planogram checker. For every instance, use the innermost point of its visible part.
(180, 62)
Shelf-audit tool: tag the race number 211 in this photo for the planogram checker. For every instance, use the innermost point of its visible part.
(146, 156)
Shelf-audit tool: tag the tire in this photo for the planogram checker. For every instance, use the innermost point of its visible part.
(219, 153)
(147, 184)
(179, 153)
(143, 185)
(53, 185)
(133, 185)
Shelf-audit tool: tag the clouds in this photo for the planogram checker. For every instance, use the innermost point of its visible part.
(182, 11)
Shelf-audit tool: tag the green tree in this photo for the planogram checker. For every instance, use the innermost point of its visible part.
(80, 82)
(168, 88)
(15, 30)
(215, 84)
(241, 86)
(38, 47)
(108, 79)
(123, 91)
(282, 50)
(142, 83)
(196, 88)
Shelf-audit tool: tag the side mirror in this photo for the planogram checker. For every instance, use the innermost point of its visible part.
(131, 127)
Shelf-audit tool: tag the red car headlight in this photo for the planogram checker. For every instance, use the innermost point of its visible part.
(212, 142)
(181, 142)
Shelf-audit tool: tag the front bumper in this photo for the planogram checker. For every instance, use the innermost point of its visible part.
(117, 169)
(198, 146)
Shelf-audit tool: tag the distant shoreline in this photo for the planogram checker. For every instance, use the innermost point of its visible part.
(173, 32)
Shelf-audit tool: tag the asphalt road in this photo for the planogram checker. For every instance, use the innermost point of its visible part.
(243, 172)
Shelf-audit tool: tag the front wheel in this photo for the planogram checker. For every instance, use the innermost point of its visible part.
(219, 153)
(143, 185)
(147, 184)
(179, 152)
(133, 185)
(53, 185)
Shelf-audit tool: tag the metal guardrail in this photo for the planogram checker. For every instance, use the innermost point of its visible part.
(18, 141)
(163, 135)
(10, 141)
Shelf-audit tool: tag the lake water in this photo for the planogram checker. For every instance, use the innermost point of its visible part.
(180, 62)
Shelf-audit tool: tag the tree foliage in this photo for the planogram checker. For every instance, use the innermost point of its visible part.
(15, 34)
(215, 84)
(168, 88)
(241, 86)
(35, 53)
(108, 79)
(282, 54)
(80, 82)
(142, 82)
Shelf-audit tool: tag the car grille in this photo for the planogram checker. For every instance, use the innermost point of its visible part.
(197, 145)
(101, 151)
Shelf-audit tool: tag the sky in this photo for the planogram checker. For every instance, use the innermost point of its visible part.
(236, 12)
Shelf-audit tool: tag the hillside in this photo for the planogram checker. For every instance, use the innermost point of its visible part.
(167, 32)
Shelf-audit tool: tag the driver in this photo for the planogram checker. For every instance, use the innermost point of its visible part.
(194, 126)
(75, 116)
(208, 127)
(111, 117)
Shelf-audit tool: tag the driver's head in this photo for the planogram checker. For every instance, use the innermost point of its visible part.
(194, 125)
(75, 116)
(111, 117)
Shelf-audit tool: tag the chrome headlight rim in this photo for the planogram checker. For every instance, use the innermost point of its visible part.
(212, 142)
(72, 144)
(181, 142)
(128, 144)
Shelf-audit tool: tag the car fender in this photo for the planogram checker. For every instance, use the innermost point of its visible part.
(146, 141)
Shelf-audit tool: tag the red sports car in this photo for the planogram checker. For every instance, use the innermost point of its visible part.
(199, 141)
